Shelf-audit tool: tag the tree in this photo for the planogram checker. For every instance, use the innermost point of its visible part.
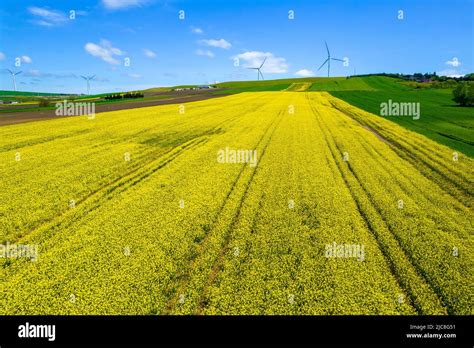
(464, 94)
(43, 102)
(469, 77)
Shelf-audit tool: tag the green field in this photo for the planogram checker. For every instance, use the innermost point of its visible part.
(271, 85)
(317, 84)
(440, 118)
(343, 84)
(27, 94)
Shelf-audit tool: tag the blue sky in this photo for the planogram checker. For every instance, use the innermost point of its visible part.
(55, 50)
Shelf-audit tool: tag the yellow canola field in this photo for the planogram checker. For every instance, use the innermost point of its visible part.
(160, 210)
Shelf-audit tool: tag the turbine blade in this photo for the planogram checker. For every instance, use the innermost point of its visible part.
(92, 77)
(11, 72)
(19, 72)
(85, 78)
(327, 48)
(323, 64)
(337, 59)
(263, 62)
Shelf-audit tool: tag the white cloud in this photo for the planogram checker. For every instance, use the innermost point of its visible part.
(221, 43)
(101, 79)
(149, 53)
(37, 73)
(47, 18)
(34, 73)
(454, 62)
(304, 73)
(449, 73)
(26, 59)
(196, 30)
(273, 65)
(134, 76)
(43, 23)
(2, 56)
(121, 4)
(104, 51)
(205, 53)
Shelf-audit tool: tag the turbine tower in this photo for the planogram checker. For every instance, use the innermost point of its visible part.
(259, 72)
(88, 78)
(14, 79)
(328, 60)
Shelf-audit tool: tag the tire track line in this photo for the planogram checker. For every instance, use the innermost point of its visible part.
(457, 188)
(216, 267)
(148, 159)
(386, 246)
(204, 244)
(93, 200)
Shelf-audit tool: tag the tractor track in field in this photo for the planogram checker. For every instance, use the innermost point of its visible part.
(109, 187)
(456, 191)
(432, 173)
(450, 136)
(360, 209)
(384, 245)
(424, 152)
(117, 186)
(379, 158)
(417, 268)
(203, 245)
(436, 289)
(21, 145)
(216, 268)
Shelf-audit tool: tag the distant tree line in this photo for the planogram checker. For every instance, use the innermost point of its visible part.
(128, 95)
(419, 77)
(463, 94)
(463, 86)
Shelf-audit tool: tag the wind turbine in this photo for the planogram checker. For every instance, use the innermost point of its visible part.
(88, 78)
(328, 60)
(259, 72)
(14, 79)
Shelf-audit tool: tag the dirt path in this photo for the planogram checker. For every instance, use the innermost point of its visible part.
(299, 87)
